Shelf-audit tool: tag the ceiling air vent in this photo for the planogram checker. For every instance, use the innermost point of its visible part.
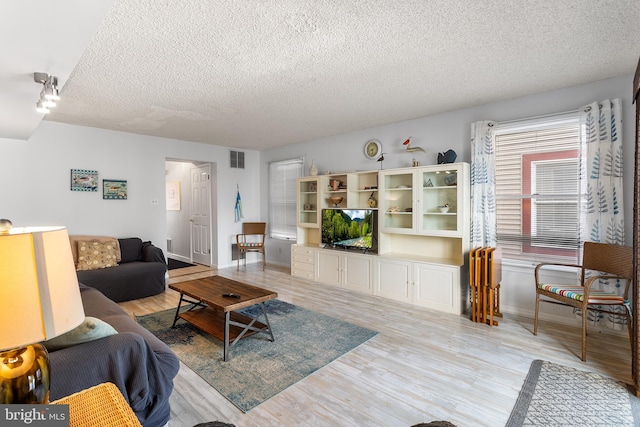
(237, 159)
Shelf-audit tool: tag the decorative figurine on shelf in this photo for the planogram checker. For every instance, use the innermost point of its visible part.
(411, 149)
(313, 170)
(371, 201)
(448, 156)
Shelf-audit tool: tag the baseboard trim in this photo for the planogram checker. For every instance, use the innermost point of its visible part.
(563, 320)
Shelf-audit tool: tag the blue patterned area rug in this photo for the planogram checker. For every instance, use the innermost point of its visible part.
(259, 369)
(556, 395)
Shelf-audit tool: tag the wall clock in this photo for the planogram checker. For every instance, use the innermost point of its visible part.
(372, 149)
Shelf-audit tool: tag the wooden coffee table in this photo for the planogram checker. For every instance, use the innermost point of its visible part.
(216, 314)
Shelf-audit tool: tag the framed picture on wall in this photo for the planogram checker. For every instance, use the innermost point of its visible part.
(114, 189)
(173, 196)
(84, 180)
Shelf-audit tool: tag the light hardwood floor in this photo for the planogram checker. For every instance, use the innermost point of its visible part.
(422, 366)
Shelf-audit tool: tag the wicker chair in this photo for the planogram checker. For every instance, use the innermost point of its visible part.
(610, 262)
(251, 240)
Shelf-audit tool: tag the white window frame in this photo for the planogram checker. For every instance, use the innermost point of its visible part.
(522, 241)
(283, 177)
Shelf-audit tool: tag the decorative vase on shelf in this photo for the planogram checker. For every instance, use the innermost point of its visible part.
(313, 170)
(372, 201)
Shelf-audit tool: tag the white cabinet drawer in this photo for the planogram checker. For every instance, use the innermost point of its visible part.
(309, 275)
(301, 250)
(302, 258)
(303, 266)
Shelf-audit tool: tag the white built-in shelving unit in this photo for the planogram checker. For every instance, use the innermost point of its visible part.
(422, 232)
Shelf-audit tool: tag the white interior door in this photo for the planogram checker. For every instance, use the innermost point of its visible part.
(201, 215)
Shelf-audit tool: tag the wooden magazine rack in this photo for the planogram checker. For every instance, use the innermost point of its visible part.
(485, 275)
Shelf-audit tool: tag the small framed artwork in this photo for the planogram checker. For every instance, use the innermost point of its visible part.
(173, 196)
(114, 189)
(84, 180)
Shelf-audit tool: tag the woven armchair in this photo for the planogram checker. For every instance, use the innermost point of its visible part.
(610, 262)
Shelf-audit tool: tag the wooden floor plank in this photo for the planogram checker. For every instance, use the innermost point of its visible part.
(423, 366)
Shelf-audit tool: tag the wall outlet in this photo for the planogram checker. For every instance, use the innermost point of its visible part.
(154, 202)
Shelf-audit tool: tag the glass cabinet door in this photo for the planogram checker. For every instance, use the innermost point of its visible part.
(308, 209)
(397, 201)
(439, 200)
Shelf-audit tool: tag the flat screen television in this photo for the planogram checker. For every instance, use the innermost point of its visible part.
(350, 229)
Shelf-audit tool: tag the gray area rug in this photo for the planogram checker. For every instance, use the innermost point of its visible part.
(556, 395)
(258, 369)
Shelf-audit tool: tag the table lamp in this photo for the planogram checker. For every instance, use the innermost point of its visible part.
(39, 299)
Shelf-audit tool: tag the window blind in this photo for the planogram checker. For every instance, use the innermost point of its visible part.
(283, 177)
(538, 189)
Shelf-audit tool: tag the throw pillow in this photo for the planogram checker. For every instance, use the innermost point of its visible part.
(95, 254)
(89, 330)
(130, 249)
(74, 238)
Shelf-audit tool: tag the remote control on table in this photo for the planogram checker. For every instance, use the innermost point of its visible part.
(230, 295)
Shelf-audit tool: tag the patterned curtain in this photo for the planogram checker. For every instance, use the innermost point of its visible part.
(602, 133)
(483, 181)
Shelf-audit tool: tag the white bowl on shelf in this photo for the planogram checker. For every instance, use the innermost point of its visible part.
(443, 209)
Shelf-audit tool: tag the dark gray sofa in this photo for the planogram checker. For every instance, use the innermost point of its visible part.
(140, 272)
(138, 363)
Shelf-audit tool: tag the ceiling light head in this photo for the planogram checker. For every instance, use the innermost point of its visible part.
(40, 108)
(49, 93)
(46, 101)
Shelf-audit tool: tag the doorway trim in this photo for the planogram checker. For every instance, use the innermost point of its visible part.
(181, 231)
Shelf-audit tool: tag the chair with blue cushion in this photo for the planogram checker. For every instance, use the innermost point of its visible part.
(609, 262)
(251, 240)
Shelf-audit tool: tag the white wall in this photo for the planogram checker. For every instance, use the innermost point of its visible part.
(440, 132)
(36, 190)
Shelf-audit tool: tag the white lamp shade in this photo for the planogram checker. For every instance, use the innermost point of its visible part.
(39, 293)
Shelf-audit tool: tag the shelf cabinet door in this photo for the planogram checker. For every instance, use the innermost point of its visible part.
(443, 201)
(397, 202)
(328, 267)
(392, 279)
(437, 287)
(308, 202)
(356, 272)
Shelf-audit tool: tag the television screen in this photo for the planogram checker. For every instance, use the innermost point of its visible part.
(350, 229)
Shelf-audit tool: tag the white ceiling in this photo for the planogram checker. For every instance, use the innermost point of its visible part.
(257, 74)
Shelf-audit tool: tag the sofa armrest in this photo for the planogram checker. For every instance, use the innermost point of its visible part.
(151, 253)
(145, 377)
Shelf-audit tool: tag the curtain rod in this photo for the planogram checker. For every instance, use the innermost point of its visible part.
(544, 116)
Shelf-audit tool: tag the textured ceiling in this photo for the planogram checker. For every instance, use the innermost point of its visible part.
(260, 74)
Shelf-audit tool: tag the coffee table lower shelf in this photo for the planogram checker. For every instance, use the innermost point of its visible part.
(212, 321)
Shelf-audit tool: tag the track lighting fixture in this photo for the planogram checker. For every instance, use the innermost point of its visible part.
(49, 93)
